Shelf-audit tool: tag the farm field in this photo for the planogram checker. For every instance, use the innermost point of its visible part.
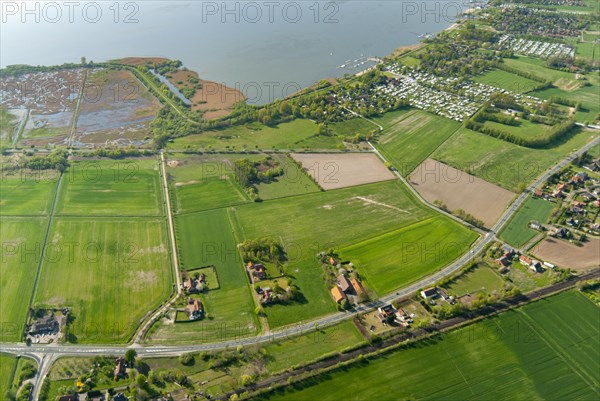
(203, 182)
(111, 188)
(589, 51)
(334, 171)
(436, 181)
(22, 240)
(111, 272)
(295, 350)
(400, 257)
(391, 118)
(252, 136)
(501, 162)
(482, 278)
(546, 350)
(408, 142)
(564, 254)
(517, 233)
(114, 109)
(207, 239)
(320, 221)
(506, 80)
(27, 192)
(7, 370)
(293, 182)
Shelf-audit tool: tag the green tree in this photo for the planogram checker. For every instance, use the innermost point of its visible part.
(130, 356)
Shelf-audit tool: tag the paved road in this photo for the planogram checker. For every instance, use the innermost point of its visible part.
(53, 351)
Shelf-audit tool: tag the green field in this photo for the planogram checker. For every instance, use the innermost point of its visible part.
(294, 181)
(207, 239)
(482, 278)
(27, 193)
(400, 257)
(517, 233)
(204, 182)
(285, 353)
(22, 240)
(7, 370)
(111, 272)
(506, 80)
(410, 141)
(501, 162)
(393, 117)
(111, 188)
(589, 51)
(546, 350)
(253, 136)
(350, 128)
(312, 223)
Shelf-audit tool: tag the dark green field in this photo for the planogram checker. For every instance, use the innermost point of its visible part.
(547, 351)
(397, 258)
(517, 233)
(410, 141)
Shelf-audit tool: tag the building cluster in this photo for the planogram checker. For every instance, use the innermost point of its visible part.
(346, 288)
(195, 309)
(256, 271)
(510, 255)
(534, 48)
(388, 314)
(194, 285)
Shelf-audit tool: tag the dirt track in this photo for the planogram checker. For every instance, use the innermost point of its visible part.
(459, 190)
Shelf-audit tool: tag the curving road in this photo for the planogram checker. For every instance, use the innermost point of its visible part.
(45, 354)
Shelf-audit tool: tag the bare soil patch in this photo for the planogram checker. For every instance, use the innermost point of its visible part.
(214, 99)
(332, 171)
(459, 190)
(565, 254)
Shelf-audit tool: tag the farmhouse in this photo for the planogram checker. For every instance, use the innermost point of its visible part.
(195, 309)
(358, 288)
(503, 261)
(430, 293)
(386, 313)
(194, 285)
(535, 266)
(46, 325)
(257, 271)
(120, 397)
(338, 295)
(344, 283)
(534, 224)
(525, 260)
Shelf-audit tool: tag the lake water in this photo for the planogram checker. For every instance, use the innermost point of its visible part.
(267, 49)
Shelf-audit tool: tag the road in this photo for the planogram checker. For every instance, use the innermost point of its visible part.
(48, 353)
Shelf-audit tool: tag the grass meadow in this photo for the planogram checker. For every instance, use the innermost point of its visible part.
(27, 193)
(8, 364)
(546, 350)
(506, 80)
(397, 258)
(110, 272)
(410, 141)
(517, 233)
(22, 240)
(482, 278)
(504, 163)
(253, 136)
(111, 188)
